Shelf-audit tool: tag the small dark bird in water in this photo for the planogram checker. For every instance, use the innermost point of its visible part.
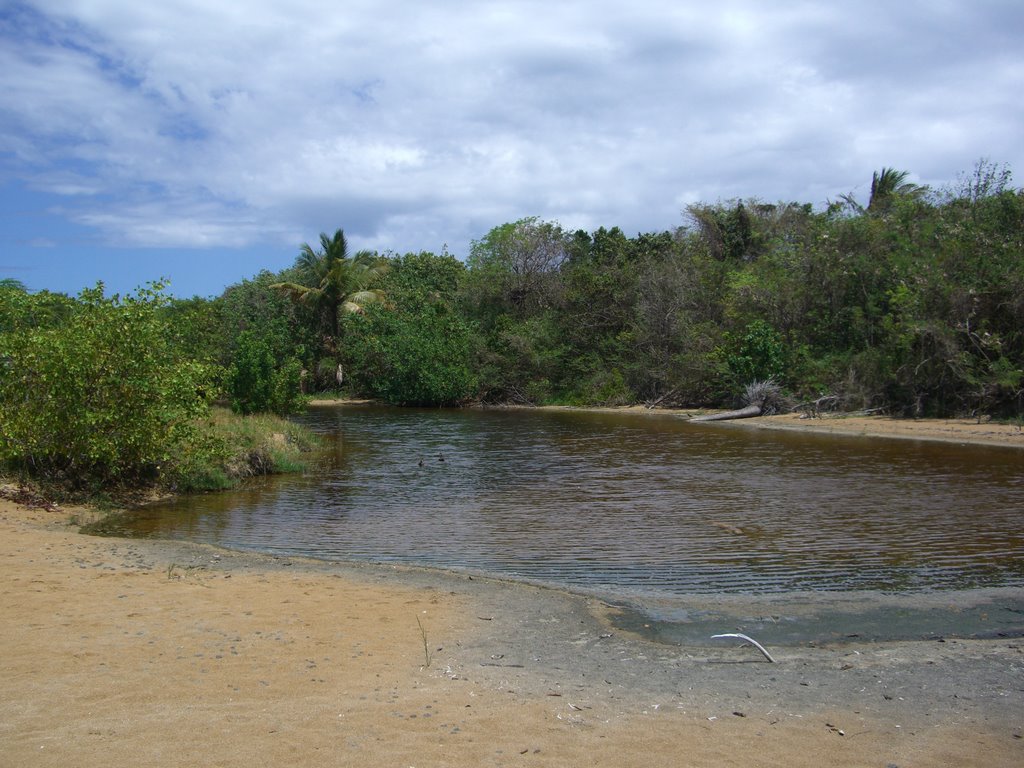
(421, 462)
(440, 457)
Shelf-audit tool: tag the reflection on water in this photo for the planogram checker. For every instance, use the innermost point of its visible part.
(643, 506)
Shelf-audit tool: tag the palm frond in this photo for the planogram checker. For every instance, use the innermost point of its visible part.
(301, 294)
(889, 183)
(851, 202)
(359, 300)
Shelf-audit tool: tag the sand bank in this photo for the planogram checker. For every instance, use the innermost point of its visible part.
(116, 652)
(965, 431)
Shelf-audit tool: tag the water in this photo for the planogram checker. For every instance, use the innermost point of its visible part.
(648, 511)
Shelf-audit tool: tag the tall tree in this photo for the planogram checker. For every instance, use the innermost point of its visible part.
(519, 263)
(332, 282)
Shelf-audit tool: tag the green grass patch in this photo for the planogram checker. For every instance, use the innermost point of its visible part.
(217, 452)
(226, 449)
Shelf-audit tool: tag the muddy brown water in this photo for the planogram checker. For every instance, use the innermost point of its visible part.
(689, 528)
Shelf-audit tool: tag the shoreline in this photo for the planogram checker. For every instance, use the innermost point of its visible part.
(113, 648)
(957, 431)
(964, 431)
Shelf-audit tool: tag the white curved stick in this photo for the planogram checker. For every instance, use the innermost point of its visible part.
(750, 640)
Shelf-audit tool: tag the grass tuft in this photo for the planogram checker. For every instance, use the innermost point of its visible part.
(226, 449)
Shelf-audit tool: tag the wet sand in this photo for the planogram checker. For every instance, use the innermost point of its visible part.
(117, 652)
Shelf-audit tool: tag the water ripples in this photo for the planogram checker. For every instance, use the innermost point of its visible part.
(631, 505)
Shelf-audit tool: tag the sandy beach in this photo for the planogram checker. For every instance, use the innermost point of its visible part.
(151, 653)
(965, 431)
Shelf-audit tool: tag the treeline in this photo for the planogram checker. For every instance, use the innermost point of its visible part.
(912, 302)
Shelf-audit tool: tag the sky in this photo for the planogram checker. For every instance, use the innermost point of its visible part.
(203, 140)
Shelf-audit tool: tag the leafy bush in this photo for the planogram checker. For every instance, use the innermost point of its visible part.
(100, 396)
(286, 397)
(417, 355)
(256, 385)
(759, 354)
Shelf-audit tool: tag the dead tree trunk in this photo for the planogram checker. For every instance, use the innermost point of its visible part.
(742, 413)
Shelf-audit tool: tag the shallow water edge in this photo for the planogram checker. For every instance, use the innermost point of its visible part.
(689, 531)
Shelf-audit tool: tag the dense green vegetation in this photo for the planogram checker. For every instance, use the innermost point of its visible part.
(912, 302)
(103, 393)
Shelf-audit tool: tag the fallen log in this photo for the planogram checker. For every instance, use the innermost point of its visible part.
(742, 413)
(762, 398)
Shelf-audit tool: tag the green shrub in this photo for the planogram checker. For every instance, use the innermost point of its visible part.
(98, 397)
(256, 385)
(758, 355)
(416, 355)
(286, 394)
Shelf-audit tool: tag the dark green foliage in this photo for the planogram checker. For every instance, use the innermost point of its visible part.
(290, 329)
(20, 310)
(514, 270)
(197, 328)
(678, 322)
(727, 230)
(255, 383)
(250, 379)
(250, 329)
(518, 360)
(758, 355)
(416, 350)
(914, 302)
(422, 276)
(286, 397)
(594, 322)
(413, 355)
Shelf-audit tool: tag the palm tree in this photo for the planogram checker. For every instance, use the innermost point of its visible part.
(331, 282)
(888, 184)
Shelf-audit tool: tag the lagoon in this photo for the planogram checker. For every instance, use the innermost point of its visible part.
(680, 524)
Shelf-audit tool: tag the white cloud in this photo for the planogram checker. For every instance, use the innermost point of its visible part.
(186, 123)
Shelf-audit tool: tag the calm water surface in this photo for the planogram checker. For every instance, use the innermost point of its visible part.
(647, 507)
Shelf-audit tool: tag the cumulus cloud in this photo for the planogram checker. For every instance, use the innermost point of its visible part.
(185, 123)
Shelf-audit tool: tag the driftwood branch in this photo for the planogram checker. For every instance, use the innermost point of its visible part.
(750, 640)
(655, 403)
(813, 409)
